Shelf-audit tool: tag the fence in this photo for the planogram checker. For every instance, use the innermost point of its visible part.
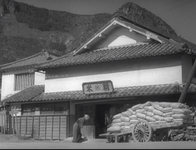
(53, 127)
(3, 121)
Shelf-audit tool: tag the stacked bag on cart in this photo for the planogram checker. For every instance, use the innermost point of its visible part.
(152, 112)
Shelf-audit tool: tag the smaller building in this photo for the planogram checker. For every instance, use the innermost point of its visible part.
(20, 83)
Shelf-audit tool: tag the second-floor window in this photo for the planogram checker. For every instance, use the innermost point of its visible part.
(23, 81)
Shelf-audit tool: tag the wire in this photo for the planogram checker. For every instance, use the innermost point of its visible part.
(174, 7)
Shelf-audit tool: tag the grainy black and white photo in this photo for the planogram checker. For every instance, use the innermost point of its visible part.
(97, 74)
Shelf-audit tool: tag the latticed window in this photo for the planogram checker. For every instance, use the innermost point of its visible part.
(23, 81)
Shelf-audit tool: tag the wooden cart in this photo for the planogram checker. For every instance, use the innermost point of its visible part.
(144, 131)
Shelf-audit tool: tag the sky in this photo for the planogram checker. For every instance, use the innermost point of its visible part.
(179, 14)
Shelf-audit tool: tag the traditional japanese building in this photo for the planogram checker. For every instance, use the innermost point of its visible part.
(123, 64)
(120, 66)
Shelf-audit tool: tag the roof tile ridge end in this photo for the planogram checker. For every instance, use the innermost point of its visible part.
(61, 57)
(22, 59)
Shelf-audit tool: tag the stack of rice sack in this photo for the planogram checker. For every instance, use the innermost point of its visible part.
(157, 113)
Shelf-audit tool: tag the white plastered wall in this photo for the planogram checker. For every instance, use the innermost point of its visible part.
(154, 76)
(7, 87)
(8, 82)
(39, 78)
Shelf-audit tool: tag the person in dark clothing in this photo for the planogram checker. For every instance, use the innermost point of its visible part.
(77, 135)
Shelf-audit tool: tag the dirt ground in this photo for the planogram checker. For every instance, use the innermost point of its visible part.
(10, 141)
(13, 138)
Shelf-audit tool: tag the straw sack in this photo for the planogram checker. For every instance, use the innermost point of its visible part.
(146, 104)
(169, 114)
(133, 121)
(125, 119)
(158, 118)
(135, 107)
(131, 111)
(149, 108)
(117, 116)
(125, 123)
(157, 106)
(181, 111)
(133, 117)
(126, 113)
(117, 124)
(142, 120)
(168, 119)
(157, 112)
(160, 122)
(178, 105)
(114, 129)
(167, 109)
(140, 115)
(178, 120)
(125, 127)
(131, 125)
(150, 119)
(165, 104)
(116, 120)
(149, 114)
(178, 116)
(141, 111)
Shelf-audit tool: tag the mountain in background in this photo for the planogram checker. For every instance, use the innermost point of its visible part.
(26, 30)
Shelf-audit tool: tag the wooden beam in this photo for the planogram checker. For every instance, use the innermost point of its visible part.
(148, 37)
(102, 35)
(87, 47)
(130, 29)
(186, 87)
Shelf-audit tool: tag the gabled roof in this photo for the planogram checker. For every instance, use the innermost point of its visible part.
(114, 23)
(118, 53)
(29, 62)
(26, 94)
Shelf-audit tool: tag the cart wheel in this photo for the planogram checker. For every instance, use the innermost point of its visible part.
(142, 132)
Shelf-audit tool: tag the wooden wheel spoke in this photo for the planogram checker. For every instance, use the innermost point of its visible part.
(142, 132)
(146, 136)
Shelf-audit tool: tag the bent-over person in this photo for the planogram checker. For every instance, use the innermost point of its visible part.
(77, 135)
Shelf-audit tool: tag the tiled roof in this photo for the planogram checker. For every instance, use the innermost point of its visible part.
(28, 62)
(118, 92)
(118, 53)
(26, 94)
(36, 93)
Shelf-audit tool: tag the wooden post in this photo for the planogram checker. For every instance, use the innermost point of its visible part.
(16, 123)
(45, 127)
(32, 127)
(39, 128)
(26, 126)
(13, 125)
(59, 127)
(52, 127)
(189, 79)
(20, 125)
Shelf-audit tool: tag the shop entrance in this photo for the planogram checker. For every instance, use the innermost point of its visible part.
(104, 114)
(101, 122)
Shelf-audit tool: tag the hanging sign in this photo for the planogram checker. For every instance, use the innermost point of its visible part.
(98, 87)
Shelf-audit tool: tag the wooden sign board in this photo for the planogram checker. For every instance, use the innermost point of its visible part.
(98, 87)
